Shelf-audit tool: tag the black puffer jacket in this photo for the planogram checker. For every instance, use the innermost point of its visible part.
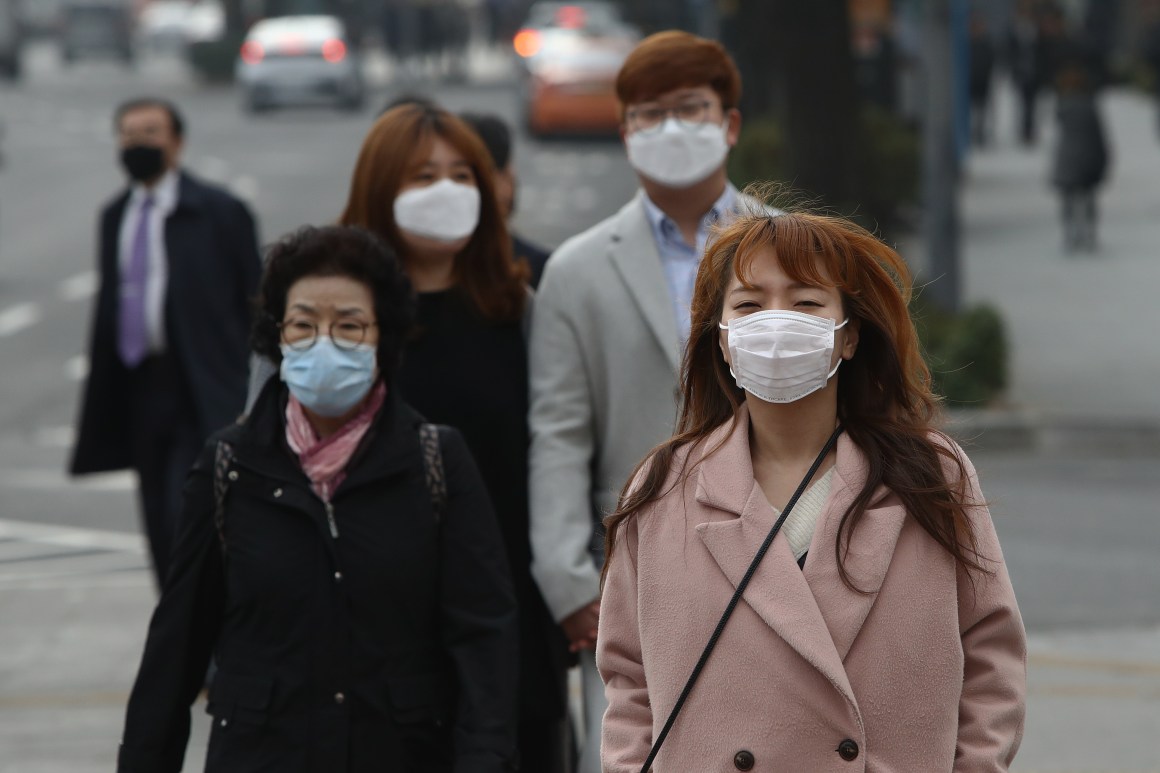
(391, 647)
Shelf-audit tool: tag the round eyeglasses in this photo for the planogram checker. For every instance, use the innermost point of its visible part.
(300, 334)
(650, 118)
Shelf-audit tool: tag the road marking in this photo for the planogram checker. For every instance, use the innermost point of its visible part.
(18, 317)
(76, 368)
(56, 480)
(1094, 664)
(72, 537)
(79, 287)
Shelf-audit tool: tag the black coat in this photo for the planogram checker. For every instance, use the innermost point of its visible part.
(212, 250)
(391, 648)
(1081, 152)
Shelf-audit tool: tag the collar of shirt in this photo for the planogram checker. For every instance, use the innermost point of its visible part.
(668, 236)
(164, 193)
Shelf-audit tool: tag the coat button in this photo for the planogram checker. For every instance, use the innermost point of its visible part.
(743, 760)
(233, 475)
(224, 722)
(339, 698)
(277, 493)
(848, 750)
(338, 576)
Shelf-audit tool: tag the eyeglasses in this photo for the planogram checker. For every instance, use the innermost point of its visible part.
(650, 118)
(300, 334)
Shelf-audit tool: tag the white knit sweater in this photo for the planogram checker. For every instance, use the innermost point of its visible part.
(799, 524)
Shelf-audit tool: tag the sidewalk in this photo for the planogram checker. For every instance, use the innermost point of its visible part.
(1084, 360)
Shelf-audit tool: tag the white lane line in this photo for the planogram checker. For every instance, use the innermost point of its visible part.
(79, 287)
(54, 437)
(76, 368)
(57, 481)
(18, 317)
(71, 537)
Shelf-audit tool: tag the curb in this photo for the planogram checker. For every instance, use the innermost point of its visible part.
(1030, 431)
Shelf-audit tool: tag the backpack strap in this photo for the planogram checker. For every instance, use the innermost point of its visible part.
(433, 468)
(222, 458)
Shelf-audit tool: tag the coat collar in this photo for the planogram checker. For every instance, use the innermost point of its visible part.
(634, 255)
(813, 611)
(391, 445)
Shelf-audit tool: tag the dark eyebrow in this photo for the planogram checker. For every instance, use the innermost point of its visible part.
(350, 311)
(745, 288)
(303, 307)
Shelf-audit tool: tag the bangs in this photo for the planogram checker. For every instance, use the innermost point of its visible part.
(805, 250)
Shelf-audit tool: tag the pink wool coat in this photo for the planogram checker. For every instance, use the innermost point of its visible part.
(926, 673)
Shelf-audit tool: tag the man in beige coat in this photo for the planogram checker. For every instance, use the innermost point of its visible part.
(611, 317)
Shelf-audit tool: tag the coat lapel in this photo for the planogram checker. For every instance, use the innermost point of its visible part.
(868, 558)
(778, 592)
(633, 253)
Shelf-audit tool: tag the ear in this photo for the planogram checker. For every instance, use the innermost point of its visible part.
(734, 131)
(850, 337)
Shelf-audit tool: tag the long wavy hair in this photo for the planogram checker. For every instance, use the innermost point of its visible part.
(398, 143)
(884, 397)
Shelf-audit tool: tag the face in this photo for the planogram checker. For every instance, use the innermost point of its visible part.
(151, 126)
(338, 306)
(444, 162)
(690, 106)
(771, 289)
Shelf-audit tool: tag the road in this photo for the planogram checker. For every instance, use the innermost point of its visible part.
(1079, 529)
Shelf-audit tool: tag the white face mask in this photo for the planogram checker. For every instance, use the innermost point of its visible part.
(676, 156)
(445, 211)
(781, 356)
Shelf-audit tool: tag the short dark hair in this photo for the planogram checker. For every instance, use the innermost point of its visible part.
(495, 134)
(336, 250)
(139, 103)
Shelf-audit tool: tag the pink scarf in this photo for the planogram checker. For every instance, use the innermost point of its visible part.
(324, 461)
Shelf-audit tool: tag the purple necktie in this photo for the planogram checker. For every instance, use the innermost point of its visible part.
(133, 338)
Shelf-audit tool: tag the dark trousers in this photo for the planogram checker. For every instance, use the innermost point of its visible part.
(1079, 218)
(1028, 102)
(166, 442)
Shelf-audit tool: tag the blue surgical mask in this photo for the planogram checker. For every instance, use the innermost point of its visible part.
(326, 379)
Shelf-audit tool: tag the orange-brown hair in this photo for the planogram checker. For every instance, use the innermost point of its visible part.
(399, 142)
(677, 60)
(884, 397)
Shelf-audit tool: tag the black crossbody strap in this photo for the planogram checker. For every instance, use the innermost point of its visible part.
(222, 458)
(741, 586)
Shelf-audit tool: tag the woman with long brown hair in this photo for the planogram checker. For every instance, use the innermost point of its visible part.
(808, 490)
(424, 182)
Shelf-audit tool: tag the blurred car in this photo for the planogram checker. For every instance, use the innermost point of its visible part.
(98, 28)
(206, 20)
(572, 53)
(161, 24)
(299, 60)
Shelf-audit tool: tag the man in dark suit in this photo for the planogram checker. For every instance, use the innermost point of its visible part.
(497, 137)
(179, 263)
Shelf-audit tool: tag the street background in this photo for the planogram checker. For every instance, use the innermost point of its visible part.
(1070, 460)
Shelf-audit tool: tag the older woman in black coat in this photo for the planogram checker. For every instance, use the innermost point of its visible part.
(348, 578)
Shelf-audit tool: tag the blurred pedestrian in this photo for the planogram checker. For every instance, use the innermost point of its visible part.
(361, 616)
(466, 366)
(1081, 156)
(982, 64)
(1152, 57)
(178, 263)
(880, 627)
(497, 136)
(1031, 49)
(612, 313)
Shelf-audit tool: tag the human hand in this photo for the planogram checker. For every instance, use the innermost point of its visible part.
(580, 627)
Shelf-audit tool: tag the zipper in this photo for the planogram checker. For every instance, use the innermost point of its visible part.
(330, 520)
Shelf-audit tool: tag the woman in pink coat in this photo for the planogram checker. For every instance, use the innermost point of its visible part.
(879, 632)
